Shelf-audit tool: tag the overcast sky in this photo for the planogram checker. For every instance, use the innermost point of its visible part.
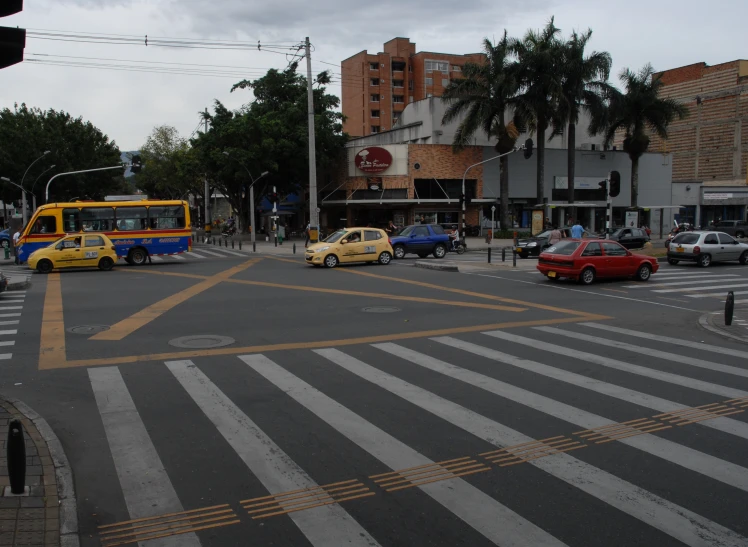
(126, 105)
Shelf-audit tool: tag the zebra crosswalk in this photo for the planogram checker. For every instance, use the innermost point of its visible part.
(199, 254)
(586, 434)
(11, 306)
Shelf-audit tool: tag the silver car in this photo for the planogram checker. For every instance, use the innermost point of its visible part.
(705, 248)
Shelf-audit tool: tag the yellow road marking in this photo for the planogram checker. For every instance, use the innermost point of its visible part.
(315, 344)
(52, 343)
(614, 290)
(466, 293)
(345, 292)
(154, 311)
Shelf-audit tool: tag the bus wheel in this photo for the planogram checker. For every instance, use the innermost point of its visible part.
(138, 256)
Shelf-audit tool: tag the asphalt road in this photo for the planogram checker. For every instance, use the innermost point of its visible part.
(374, 405)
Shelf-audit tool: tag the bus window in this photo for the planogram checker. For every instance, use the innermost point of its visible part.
(166, 218)
(132, 218)
(71, 221)
(44, 225)
(97, 219)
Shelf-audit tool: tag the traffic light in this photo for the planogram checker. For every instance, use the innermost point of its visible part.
(615, 183)
(528, 149)
(274, 197)
(603, 184)
(12, 40)
(136, 164)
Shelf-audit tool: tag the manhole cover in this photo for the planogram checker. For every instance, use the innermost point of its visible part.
(381, 309)
(88, 329)
(201, 341)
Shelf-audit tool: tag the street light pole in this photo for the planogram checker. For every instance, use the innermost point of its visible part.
(25, 215)
(33, 195)
(464, 199)
(251, 196)
(46, 191)
(23, 198)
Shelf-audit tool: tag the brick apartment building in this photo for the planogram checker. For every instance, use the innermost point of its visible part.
(710, 147)
(376, 87)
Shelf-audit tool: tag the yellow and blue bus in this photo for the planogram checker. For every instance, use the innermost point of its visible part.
(138, 229)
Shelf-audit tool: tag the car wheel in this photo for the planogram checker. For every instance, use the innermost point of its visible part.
(44, 266)
(138, 256)
(385, 258)
(744, 258)
(644, 272)
(423, 255)
(106, 264)
(440, 251)
(741, 235)
(399, 251)
(672, 261)
(705, 260)
(5, 243)
(587, 276)
(331, 261)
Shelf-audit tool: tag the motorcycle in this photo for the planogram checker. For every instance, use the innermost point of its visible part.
(229, 231)
(456, 246)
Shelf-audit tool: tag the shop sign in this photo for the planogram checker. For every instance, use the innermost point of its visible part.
(718, 195)
(373, 159)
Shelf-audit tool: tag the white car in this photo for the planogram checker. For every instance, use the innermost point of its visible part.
(705, 248)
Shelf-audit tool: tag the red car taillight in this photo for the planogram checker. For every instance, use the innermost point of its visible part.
(389, 240)
(697, 249)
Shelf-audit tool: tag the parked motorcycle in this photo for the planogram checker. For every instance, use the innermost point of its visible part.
(228, 232)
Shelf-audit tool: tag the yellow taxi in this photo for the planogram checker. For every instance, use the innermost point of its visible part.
(351, 245)
(75, 251)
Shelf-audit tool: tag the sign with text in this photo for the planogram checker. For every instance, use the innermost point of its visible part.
(373, 160)
(632, 219)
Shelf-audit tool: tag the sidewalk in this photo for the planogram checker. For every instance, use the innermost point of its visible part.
(19, 276)
(47, 516)
(715, 322)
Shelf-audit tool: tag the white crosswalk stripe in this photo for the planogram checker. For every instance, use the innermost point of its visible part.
(157, 258)
(710, 288)
(708, 281)
(211, 253)
(715, 294)
(495, 521)
(194, 255)
(325, 525)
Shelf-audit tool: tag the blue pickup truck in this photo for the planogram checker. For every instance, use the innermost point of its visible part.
(421, 239)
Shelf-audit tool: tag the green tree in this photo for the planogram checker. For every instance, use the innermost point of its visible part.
(584, 87)
(75, 145)
(536, 106)
(168, 167)
(482, 96)
(638, 112)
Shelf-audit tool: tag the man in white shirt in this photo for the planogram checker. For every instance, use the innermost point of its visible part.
(16, 237)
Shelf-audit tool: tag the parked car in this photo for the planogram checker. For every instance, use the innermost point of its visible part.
(5, 238)
(421, 239)
(735, 228)
(586, 260)
(705, 248)
(631, 238)
(533, 246)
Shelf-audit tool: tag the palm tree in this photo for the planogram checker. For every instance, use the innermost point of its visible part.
(539, 57)
(482, 96)
(637, 112)
(584, 86)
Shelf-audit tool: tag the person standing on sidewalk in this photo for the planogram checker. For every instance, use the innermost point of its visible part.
(16, 237)
(308, 228)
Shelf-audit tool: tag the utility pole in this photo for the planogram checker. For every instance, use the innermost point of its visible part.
(313, 209)
(608, 209)
(206, 204)
(275, 216)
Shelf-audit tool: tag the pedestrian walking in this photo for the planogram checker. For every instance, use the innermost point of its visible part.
(577, 231)
(16, 237)
(308, 228)
(555, 236)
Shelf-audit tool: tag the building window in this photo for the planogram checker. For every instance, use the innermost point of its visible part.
(398, 99)
(410, 85)
(396, 117)
(373, 66)
(429, 81)
(398, 66)
(456, 68)
(410, 99)
(374, 129)
(374, 81)
(397, 83)
(375, 113)
(445, 82)
(429, 94)
(375, 98)
(437, 66)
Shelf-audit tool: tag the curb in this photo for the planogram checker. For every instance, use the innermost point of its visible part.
(18, 286)
(706, 321)
(437, 267)
(63, 474)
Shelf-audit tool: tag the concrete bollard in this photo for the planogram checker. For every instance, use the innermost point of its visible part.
(16, 454)
(514, 259)
(240, 244)
(220, 243)
(489, 255)
(729, 308)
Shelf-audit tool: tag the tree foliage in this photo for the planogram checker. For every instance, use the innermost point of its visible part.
(74, 145)
(170, 169)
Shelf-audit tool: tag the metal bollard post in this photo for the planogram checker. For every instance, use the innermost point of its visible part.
(294, 248)
(514, 259)
(254, 247)
(503, 254)
(489, 255)
(232, 243)
(16, 454)
(240, 244)
(220, 244)
(729, 308)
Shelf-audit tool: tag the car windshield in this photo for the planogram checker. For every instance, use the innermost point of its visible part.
(564, 247)
(688, 238)
(335, 236)
(406, 231)
(54, 244)
(545, 234)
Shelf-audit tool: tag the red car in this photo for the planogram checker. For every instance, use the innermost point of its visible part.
(587, 259)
